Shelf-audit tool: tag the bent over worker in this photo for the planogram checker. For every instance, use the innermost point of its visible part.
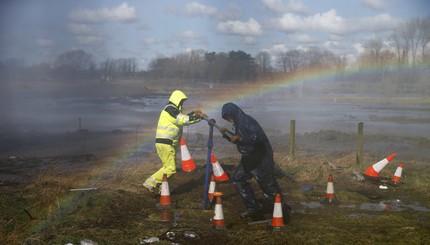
(168, 136)
(256, 161)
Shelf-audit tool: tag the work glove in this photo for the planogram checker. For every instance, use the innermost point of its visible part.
(200, 114)
(235, 139)
(229, 135)
(223, 130)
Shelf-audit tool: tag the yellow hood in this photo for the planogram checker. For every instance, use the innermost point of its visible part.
(178, 98)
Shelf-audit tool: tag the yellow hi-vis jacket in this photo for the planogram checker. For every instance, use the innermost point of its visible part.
(171, 121)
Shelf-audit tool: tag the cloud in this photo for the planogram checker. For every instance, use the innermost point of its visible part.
(276, 48)
(334, 37)
(380, 22)
(332, 23)
(250, 28)
(196, 9)
(148, 40)
(359, 48)
(44, 42)
(122, 13)
(331, 45)
(85, 34)
(90, 40)
(301, 38)
(328, 21)
(295, 6)
(374, 4)
(79, 29)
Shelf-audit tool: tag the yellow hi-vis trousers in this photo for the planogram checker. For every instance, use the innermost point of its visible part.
(167, 155)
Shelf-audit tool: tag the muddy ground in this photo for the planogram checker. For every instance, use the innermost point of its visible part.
(81, 186)
(40, 204)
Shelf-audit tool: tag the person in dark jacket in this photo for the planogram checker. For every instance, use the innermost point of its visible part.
(256, 161)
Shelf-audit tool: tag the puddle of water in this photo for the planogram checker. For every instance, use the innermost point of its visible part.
(418, 208)
(306, 206)
(392, 205)
(388, 205)
(311, 204)
(381, 206)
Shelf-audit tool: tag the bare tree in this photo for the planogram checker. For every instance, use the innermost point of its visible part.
(262, 59)
(374, 51)
(291, 60)
(399, 45)
(424, 29)
(295, 59)
(195, 64)
(281, 61)
(313, 57)
(410, 34)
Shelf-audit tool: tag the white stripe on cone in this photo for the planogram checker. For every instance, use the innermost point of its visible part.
(373, 171)
(398, 173)
(165, 192)
(212, 186)
(218, 171)
(277, 219)
(218, 220)
(330, 188)
(188, 164)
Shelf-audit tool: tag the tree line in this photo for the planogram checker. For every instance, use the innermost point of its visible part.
(407, 46)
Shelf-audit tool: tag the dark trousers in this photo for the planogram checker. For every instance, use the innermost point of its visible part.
(264, 174)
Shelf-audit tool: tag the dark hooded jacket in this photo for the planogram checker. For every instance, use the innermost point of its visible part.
(255, 146)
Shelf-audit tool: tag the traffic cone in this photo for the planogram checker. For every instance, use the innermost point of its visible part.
(329, 195)
(373, 171)
(397, 175)
(188, 164)
(218, 220)
(211, 190)
(277, 219)
(219, 173)
(165, 194)
(166, 215)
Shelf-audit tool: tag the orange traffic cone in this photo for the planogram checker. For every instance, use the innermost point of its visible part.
(218, 220)
(165, 194)
(166, 215)
(373, 171)
(211, 190)
(277, 219)
(219, 173)
(397, 175)
(329, 195)
(188, 164)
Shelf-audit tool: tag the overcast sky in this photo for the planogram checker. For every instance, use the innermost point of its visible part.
(40, 30)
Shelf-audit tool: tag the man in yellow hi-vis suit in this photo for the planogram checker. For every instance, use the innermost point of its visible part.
(168, 136)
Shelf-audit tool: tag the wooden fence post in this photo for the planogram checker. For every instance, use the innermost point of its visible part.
(292, 138)
(359, 158)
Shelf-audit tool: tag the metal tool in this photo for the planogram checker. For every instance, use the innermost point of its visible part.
(226, 134)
